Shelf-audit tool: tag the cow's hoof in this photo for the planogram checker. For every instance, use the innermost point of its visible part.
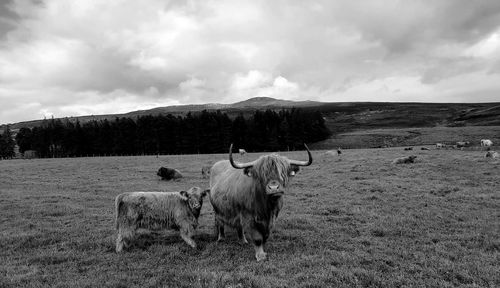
(261, 256)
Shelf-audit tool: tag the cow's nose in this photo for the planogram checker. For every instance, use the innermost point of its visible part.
(274, 185)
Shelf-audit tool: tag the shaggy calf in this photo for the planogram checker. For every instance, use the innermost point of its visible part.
(492, 154)
(144, 212)
(168, 173)
(404, 160)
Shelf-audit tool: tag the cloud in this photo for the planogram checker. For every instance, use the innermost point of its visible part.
(73, 57)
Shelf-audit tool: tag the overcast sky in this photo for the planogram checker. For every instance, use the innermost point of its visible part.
(72, 58)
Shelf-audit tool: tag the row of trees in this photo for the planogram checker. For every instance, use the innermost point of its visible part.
(204, 132)
(7, 144)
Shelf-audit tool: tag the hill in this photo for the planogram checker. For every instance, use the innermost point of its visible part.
(344, 118)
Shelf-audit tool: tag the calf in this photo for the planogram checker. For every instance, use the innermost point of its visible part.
(404, 160)
(144, 212)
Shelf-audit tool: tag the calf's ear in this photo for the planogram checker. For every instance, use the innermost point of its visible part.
(205, 192)
(184, 194)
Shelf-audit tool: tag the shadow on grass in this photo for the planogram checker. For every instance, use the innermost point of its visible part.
(145, 241)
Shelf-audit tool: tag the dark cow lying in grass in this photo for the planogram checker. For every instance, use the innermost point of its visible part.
(144, 212)
(168, 173)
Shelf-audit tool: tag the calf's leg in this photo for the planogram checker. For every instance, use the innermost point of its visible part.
(187, 232)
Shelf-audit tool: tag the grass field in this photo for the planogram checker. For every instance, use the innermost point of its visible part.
(392, 137)
(350, 221)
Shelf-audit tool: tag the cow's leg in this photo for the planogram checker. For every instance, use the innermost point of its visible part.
(241, 235)
(258, 242)
(260, 255)
(219, 227)
(124, 237)
(119, 243)
(187, 232)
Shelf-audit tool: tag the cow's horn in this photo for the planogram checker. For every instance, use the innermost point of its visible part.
(303, 163)
(238, 165)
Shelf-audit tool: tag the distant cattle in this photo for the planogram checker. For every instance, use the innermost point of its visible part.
(249, 196)
(439, 145)
(205, 172)
(168, 173)
(492, 154)
(424, 148)
(408, 148)
(404, 160)
(462, 144)
(242, 151)
(337, 152)
(486, 143)
(144, 212)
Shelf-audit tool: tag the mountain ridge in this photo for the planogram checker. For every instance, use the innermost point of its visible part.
(339, 116)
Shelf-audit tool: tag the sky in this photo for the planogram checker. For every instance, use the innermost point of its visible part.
(89, 57)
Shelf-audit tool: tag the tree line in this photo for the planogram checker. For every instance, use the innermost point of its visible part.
(195, 133)
(7, 144)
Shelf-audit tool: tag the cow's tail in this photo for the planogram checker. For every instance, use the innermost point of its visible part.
(118, 207)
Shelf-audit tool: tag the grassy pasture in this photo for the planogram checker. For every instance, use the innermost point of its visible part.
(393, 137)
(350, 221)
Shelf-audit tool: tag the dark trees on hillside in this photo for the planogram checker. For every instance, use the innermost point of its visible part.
(204, 132)
(6, 144)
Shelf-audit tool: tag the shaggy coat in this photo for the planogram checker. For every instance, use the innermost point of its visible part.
(404, 160)
(168, 173)
(143, 212)
(250, 199)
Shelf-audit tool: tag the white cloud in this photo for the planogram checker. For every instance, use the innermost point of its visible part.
(487, 48)
(93, 57)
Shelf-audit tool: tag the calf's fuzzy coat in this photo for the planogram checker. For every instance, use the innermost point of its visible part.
(143, 212)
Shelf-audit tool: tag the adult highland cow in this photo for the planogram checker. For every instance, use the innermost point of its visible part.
(249, 196)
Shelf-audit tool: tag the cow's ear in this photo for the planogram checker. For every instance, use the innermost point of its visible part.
(293, 170)
(184, 194)
(248, 171)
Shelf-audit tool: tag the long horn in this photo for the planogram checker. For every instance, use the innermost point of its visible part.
(238, 165)
(303, 163)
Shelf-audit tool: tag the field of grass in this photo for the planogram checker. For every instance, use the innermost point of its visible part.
(392, 137)
(350, 221)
